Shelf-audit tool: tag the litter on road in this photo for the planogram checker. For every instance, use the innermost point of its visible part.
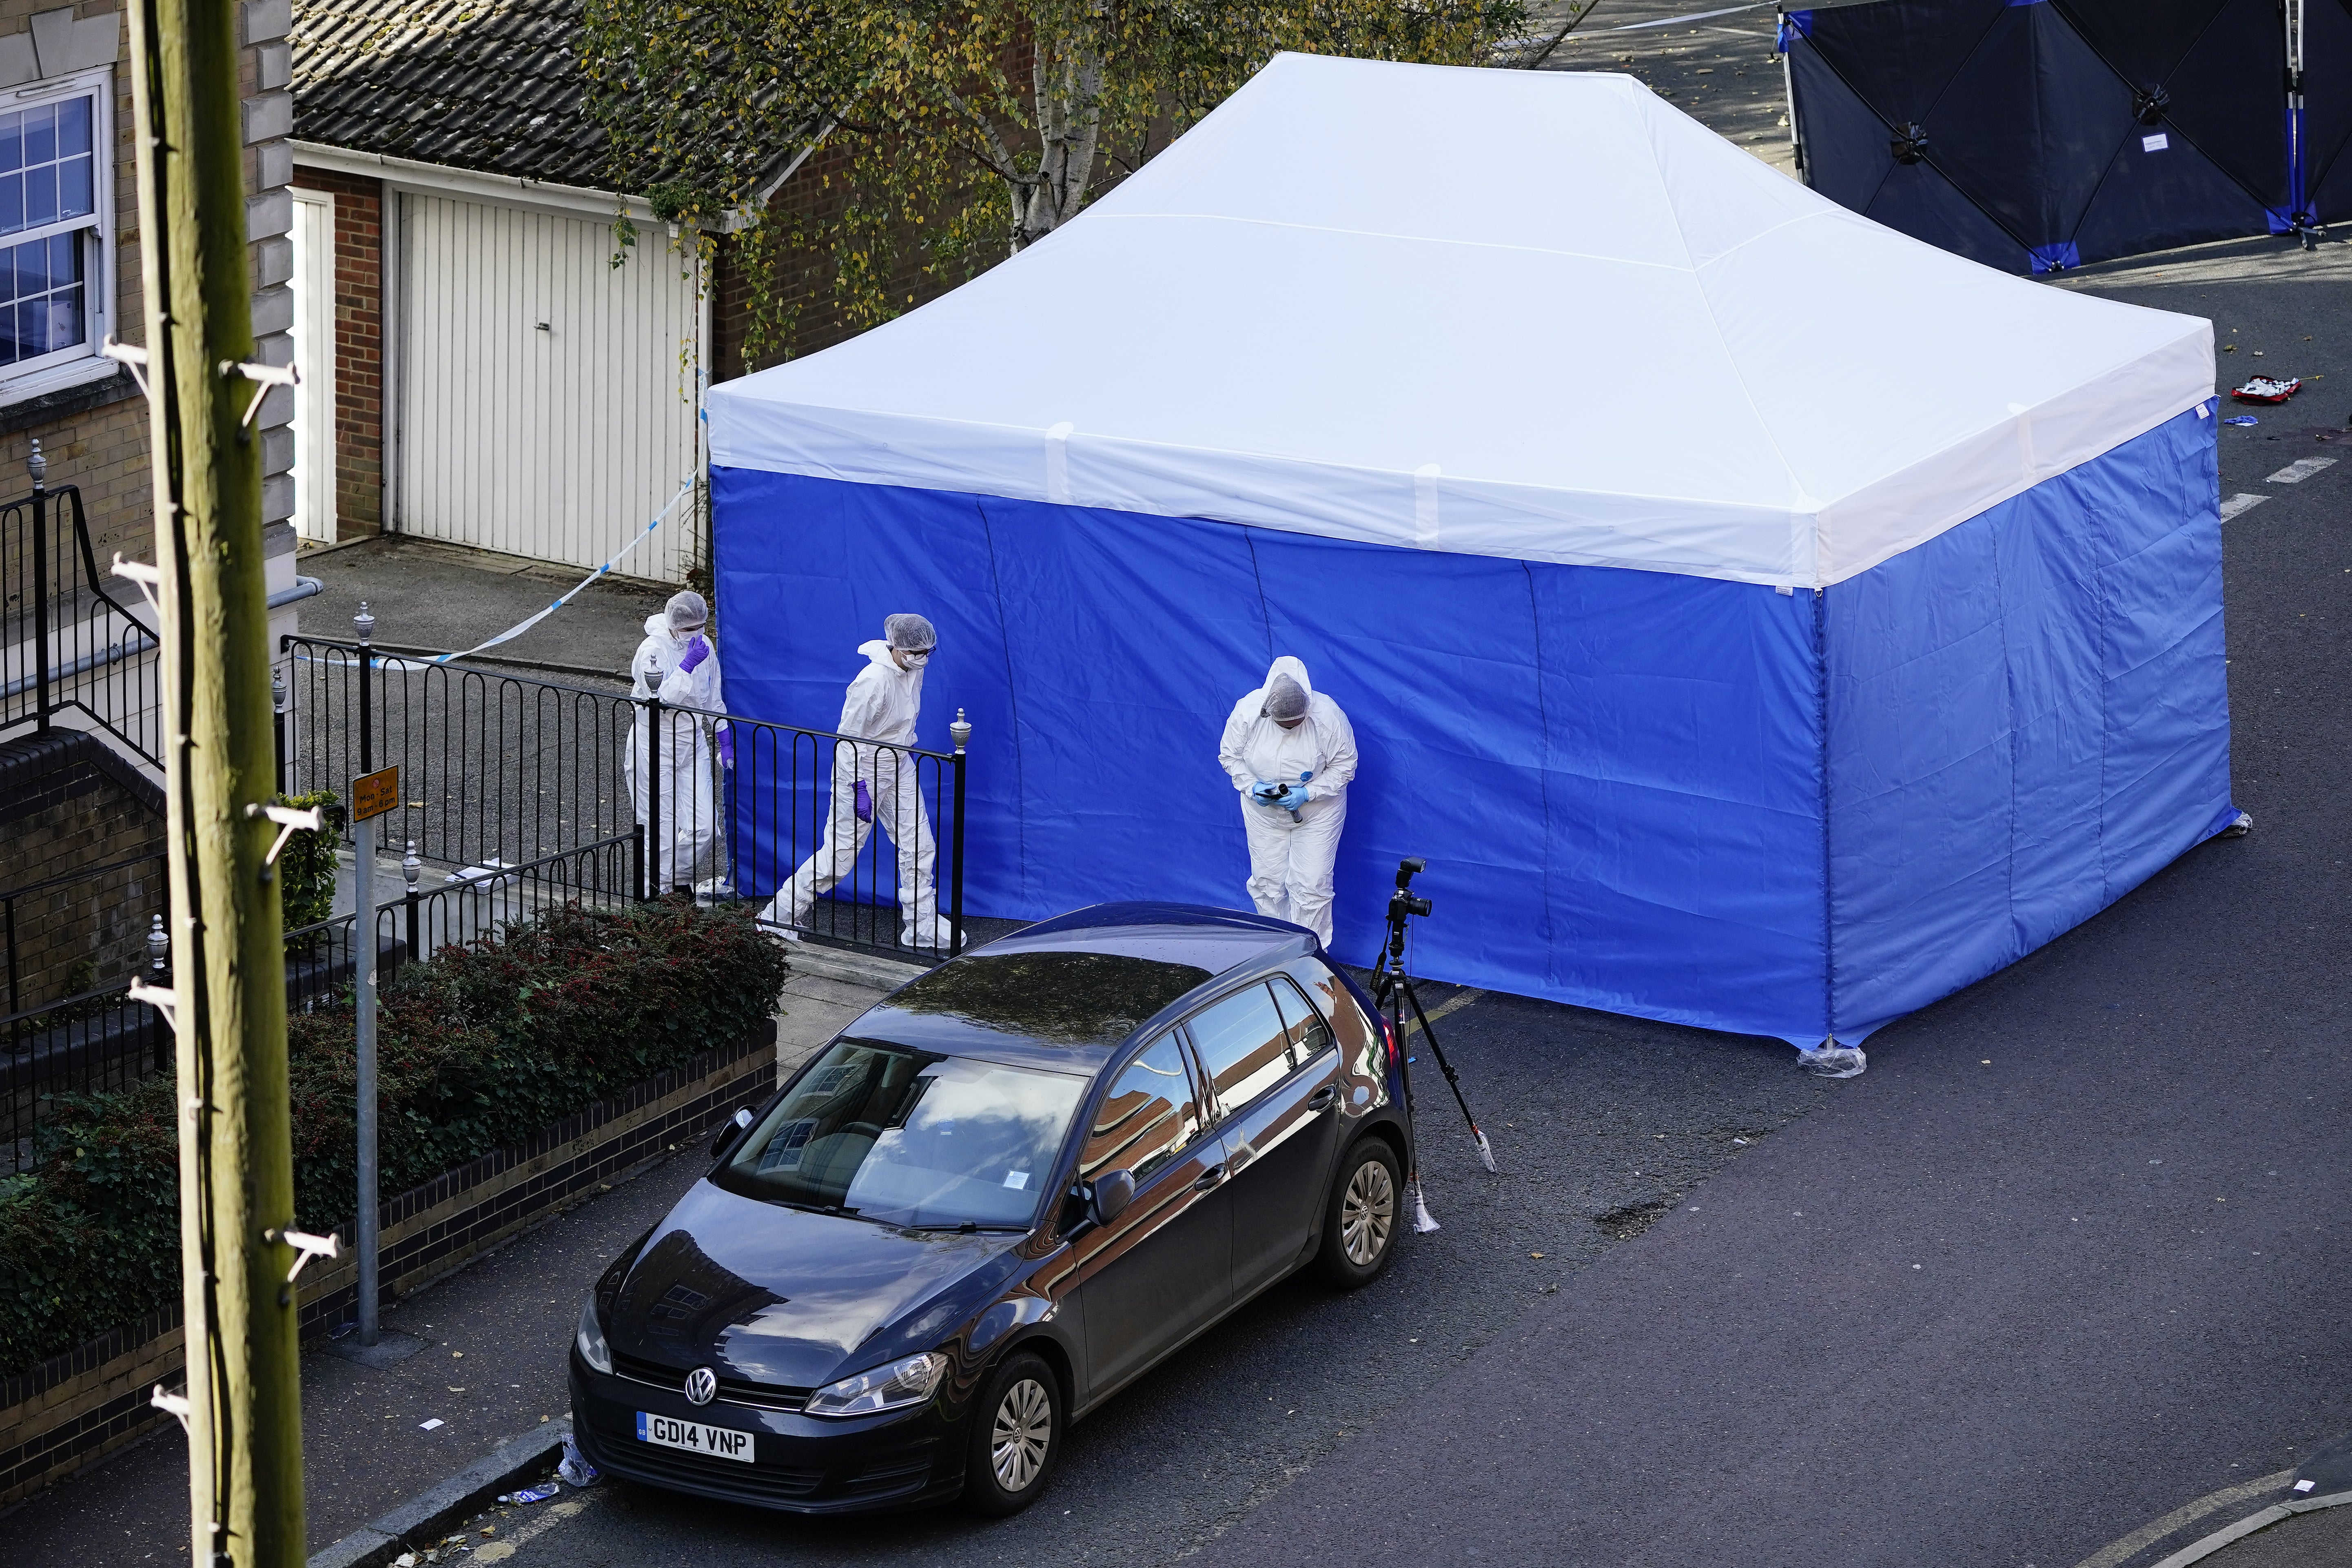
(2267, 389)
(428, 1426)
(2242, 419)
(531, 1494)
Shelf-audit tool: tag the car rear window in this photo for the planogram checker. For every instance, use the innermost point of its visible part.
(1062, 998)
(909, 1137)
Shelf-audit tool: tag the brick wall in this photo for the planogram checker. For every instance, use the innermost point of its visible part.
(68, 806)
(95, 435)
(359, 348)
(816, 194)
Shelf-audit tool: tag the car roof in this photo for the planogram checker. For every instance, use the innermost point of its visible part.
(1066, 993)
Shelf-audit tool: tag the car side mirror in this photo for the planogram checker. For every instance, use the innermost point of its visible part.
(729, 1131)
(1113, 1190)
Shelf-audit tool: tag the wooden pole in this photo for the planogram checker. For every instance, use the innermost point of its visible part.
(237, 1179)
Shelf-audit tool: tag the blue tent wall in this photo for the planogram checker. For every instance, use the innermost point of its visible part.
(2029, 717)
(1617, 777)
(1613, 774)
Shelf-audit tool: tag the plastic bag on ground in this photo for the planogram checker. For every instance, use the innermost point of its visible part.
(575, 1469)
(1833, 1060)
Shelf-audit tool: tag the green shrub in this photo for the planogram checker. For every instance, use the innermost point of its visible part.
(477, 1050)
(305, 867)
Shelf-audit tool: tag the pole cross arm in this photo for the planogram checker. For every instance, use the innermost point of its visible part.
(264, 377)
(129, 356)
(148, 578)
(164, 1001)
(306, 1246)
(289, 821)
(171, 1404)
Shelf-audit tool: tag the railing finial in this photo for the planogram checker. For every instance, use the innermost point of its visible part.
(37, 464)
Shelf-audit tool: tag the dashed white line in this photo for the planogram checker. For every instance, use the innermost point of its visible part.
(2302, 469)
(2240, 502)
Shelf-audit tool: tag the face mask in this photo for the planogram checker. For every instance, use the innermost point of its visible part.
(915, 660)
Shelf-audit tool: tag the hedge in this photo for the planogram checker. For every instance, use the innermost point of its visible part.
(476, 1049)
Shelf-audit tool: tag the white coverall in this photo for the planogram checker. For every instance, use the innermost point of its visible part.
(881, 705)
(689, 814)
(1290, 862)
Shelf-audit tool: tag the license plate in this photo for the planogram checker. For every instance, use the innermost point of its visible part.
(718, 1442)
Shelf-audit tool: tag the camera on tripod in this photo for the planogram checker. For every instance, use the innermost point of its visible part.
(1403, 902)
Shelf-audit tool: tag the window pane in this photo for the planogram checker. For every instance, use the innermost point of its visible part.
(48, 165)
(1309, 1037)
(1242, 1045)
(73, 126)
(40, 136)
(1148, 1118)
(76, 190)
(40, 195)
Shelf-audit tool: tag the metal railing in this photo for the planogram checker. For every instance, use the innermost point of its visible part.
(101, 918)
(499, 769)
(67, 646)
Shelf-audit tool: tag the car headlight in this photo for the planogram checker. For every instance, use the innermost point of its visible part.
(891, 1387)
(592, 1349)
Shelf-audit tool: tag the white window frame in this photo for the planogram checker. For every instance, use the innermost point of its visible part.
(70, 366)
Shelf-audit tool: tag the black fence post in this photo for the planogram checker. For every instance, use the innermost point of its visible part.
(277, 693)
(637, 859)
(38, 465)
(960, 733)
(411, 868)
(655, 870)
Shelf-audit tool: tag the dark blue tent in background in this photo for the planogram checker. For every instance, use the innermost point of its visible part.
(2034, 135)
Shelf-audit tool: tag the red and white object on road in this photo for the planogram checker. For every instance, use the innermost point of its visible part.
(2268, 389)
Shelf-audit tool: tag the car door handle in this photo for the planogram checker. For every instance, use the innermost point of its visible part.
(1212, 1178)
(1324, 1099)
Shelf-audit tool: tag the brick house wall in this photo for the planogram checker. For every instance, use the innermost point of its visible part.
(94, 435)
(358, 347)
(68, 805)
(817, 191)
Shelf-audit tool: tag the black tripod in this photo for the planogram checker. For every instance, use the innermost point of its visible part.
(1392, 989)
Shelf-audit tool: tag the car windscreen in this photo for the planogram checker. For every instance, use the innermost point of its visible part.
(908, 1136)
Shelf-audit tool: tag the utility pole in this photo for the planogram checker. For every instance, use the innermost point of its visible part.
(236, 1177)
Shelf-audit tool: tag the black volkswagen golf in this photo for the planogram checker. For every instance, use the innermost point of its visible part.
(995, 1199)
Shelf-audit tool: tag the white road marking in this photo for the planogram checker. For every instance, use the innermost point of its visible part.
(2302, 469)
(2240, 502)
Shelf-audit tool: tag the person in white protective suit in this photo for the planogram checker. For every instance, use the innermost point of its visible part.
(1291, 752)
(876, 783)
(677, 663)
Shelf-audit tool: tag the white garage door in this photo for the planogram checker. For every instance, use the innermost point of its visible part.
(545, 395)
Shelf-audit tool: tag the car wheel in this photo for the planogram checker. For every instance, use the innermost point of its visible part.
(1016, 1435)
(1361, 1222)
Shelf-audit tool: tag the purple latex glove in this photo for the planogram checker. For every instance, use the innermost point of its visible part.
(696, 652)
(865, 802)
(726, 746)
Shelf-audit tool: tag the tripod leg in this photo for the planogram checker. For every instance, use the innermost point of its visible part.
(1452, 1080)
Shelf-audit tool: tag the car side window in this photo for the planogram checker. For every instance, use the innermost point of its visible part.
(1244, 1047)
(1309, 1037)
(1359, 1037)
(1148, 1117)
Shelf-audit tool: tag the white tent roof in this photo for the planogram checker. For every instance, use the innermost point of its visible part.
(1536, 315)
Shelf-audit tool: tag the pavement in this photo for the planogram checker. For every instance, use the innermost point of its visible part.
(429, 596)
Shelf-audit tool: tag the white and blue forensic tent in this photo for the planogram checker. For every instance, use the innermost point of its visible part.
(1760, 619)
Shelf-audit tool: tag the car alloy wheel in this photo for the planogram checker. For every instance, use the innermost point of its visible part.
(1020, 1434)
(1367, 1212)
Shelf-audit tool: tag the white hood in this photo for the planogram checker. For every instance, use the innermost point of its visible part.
(879, 652)
(1291, 666)
(658, 625)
